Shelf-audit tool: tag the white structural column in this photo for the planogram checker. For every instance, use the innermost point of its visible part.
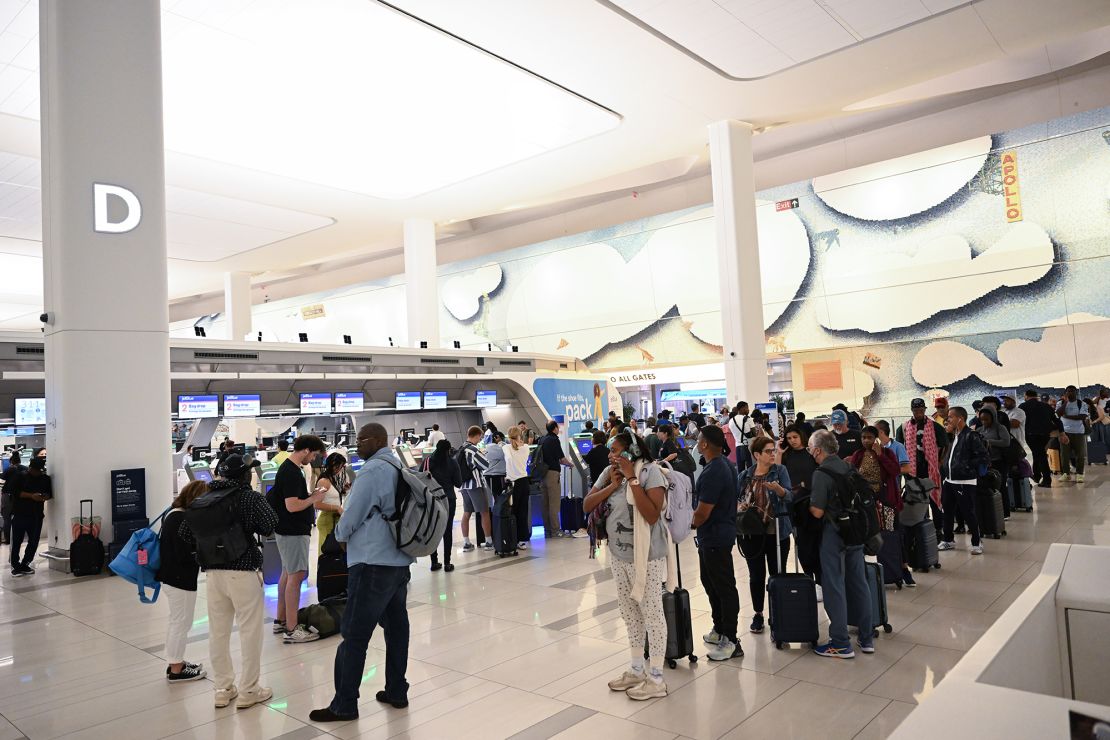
(745, 353)
(237, 304)
(420, 277)
(104, 251)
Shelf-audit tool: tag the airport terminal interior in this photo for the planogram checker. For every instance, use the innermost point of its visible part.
(450, 369)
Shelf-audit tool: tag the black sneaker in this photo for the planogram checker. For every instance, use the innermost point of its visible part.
(28, 570)
(395, 703)
(188, 673)
(18, 573)
(326, 715)
(907, 578)
(757, 625)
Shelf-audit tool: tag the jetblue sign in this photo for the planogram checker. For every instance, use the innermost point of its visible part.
(101, 195)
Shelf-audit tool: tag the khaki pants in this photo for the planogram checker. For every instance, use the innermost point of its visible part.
(552, 493)
(235, 596)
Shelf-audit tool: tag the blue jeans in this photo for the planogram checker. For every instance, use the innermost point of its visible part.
(844, 582)
(376, 594)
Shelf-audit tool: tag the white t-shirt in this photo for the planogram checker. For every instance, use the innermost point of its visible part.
(516, 462)
(740, 431)
(434, 437)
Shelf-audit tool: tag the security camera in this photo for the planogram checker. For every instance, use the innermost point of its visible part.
(46, 318)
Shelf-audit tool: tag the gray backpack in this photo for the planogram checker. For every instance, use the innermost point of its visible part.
(420, 512)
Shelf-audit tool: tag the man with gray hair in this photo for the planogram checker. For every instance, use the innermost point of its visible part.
(843, 577)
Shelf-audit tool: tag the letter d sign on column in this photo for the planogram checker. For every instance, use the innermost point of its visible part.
(100, 209)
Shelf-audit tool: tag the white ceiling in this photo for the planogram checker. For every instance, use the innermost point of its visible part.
(266, 162)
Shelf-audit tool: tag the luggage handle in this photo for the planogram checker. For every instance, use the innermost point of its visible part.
(81, 512)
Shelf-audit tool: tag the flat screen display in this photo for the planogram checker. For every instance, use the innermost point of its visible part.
(349, 402)
(435, 399)
(242, 405)
(30, 411)
(24, 431)
(408, 401)
(584, 446)
(487, 399)
(315, 403)
(202, 474)
(198, 407)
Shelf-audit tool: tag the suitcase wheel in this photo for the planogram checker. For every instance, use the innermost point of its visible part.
(778, 645)
(888, 628)
(693, 658)
(899, 585)
(671, 663)
(937, 566)
(996, 536)
(875, 633)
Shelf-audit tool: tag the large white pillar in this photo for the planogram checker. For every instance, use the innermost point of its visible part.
(237, 304)
(107, 337)
(420, 278)
(745, 354)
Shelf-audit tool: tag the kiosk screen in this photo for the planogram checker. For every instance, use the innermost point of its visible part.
(584, 446)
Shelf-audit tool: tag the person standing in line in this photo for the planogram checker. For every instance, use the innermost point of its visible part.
(1073, 441)
(800, 465)
(378, 580)
(640, 561)
(997, 438)
(743, 431)
(31, 491)
(435, 436)
(445, 469)
(495, 477)
(966, 455)
(597, 459)
(1018, 421)
(518, 483)
(334, 483)
(177, 572)
(940, 413)
(847, 438)
(1039, 425)
(928, 441)
(766, 487)
(11, 476)
(552, 451)
(473, 465)
(843, 576)
(282, 453)
(290, 499)
(715, 520)
(234, 589)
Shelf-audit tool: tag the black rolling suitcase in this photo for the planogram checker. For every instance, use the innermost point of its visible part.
(791, 604)
(988, 510)
(923, 550)
(1096, 452)
(86, 553)
(331, 570)
(875, 585)
(680, 626)
(571, 518)
(890, 555)
(504, 528)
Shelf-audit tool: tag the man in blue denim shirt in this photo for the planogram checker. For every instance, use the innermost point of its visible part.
(377, 583)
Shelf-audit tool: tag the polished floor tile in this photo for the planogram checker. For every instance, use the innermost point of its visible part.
(519, 648)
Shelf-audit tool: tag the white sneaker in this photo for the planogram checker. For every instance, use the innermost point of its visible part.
(487, 545)
(726, 649)
(301, 634)
(258, 696)
(225, 696)
(649, 689)
(711, 637)
(626, 681)
(1079, 478)
(522, 545)
(946, 546)
(1066, 477)
(820, 593)
(583, 533)
(976, 549)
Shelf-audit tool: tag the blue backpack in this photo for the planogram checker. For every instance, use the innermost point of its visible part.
(140, 558)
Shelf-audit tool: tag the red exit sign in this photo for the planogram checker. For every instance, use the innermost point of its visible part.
(786, 205)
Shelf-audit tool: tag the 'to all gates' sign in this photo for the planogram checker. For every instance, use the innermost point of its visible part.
(1011, 186)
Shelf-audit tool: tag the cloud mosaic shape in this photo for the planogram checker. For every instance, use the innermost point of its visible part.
(903, 186)
(866, 289)
(461, 294)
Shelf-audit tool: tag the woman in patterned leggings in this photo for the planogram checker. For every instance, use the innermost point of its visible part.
(632, 491)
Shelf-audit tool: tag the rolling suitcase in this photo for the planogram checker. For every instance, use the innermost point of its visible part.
(890, 555)
(331, 575)
(1021, 494)
(86, 553)
(791, 604)
(923, 552)
(504, 528)
(680, 627)
(271, 562)
(571, 518)
(1096, 452)
(988, 509)
(878, 599)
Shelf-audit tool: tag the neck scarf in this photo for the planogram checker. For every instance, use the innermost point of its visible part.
(641, 543)
(932, 453)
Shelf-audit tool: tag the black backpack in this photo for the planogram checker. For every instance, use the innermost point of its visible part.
(214, 520)
(857, 518)
(537, 468)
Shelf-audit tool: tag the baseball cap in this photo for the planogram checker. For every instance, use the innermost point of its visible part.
(838, 417)
(234, 466)
(917, 403)
(940, 402)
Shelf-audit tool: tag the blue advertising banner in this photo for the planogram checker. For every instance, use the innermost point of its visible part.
(578, 401)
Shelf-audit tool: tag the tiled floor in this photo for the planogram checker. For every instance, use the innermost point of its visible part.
(517, 648)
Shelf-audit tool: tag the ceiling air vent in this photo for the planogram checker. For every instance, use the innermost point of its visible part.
(30, 350)
(563, 366)
(515, 363)
(367, 359)
(438, 361)
(201, 355)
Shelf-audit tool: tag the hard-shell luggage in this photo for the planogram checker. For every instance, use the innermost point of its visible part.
(504, 528)
(1021, 494)
(791, 604)
(915, 501)
(989, 512)
(86, 553)
(271, 561)
(331, 570)
(923, 552)
(680, 626)
(890, 555)
(571, 518)
(879, 616)
(1096, 452)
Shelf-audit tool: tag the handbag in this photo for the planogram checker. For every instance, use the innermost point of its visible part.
(749, 522)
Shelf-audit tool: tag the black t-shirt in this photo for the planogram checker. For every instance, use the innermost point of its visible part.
(698, 418)
(717, 485)
(597, 460)
(669, 448)
(552, 451)
(922, 464)
(1039, 418)
(290, 483)
(849, 442)
(29, 483)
